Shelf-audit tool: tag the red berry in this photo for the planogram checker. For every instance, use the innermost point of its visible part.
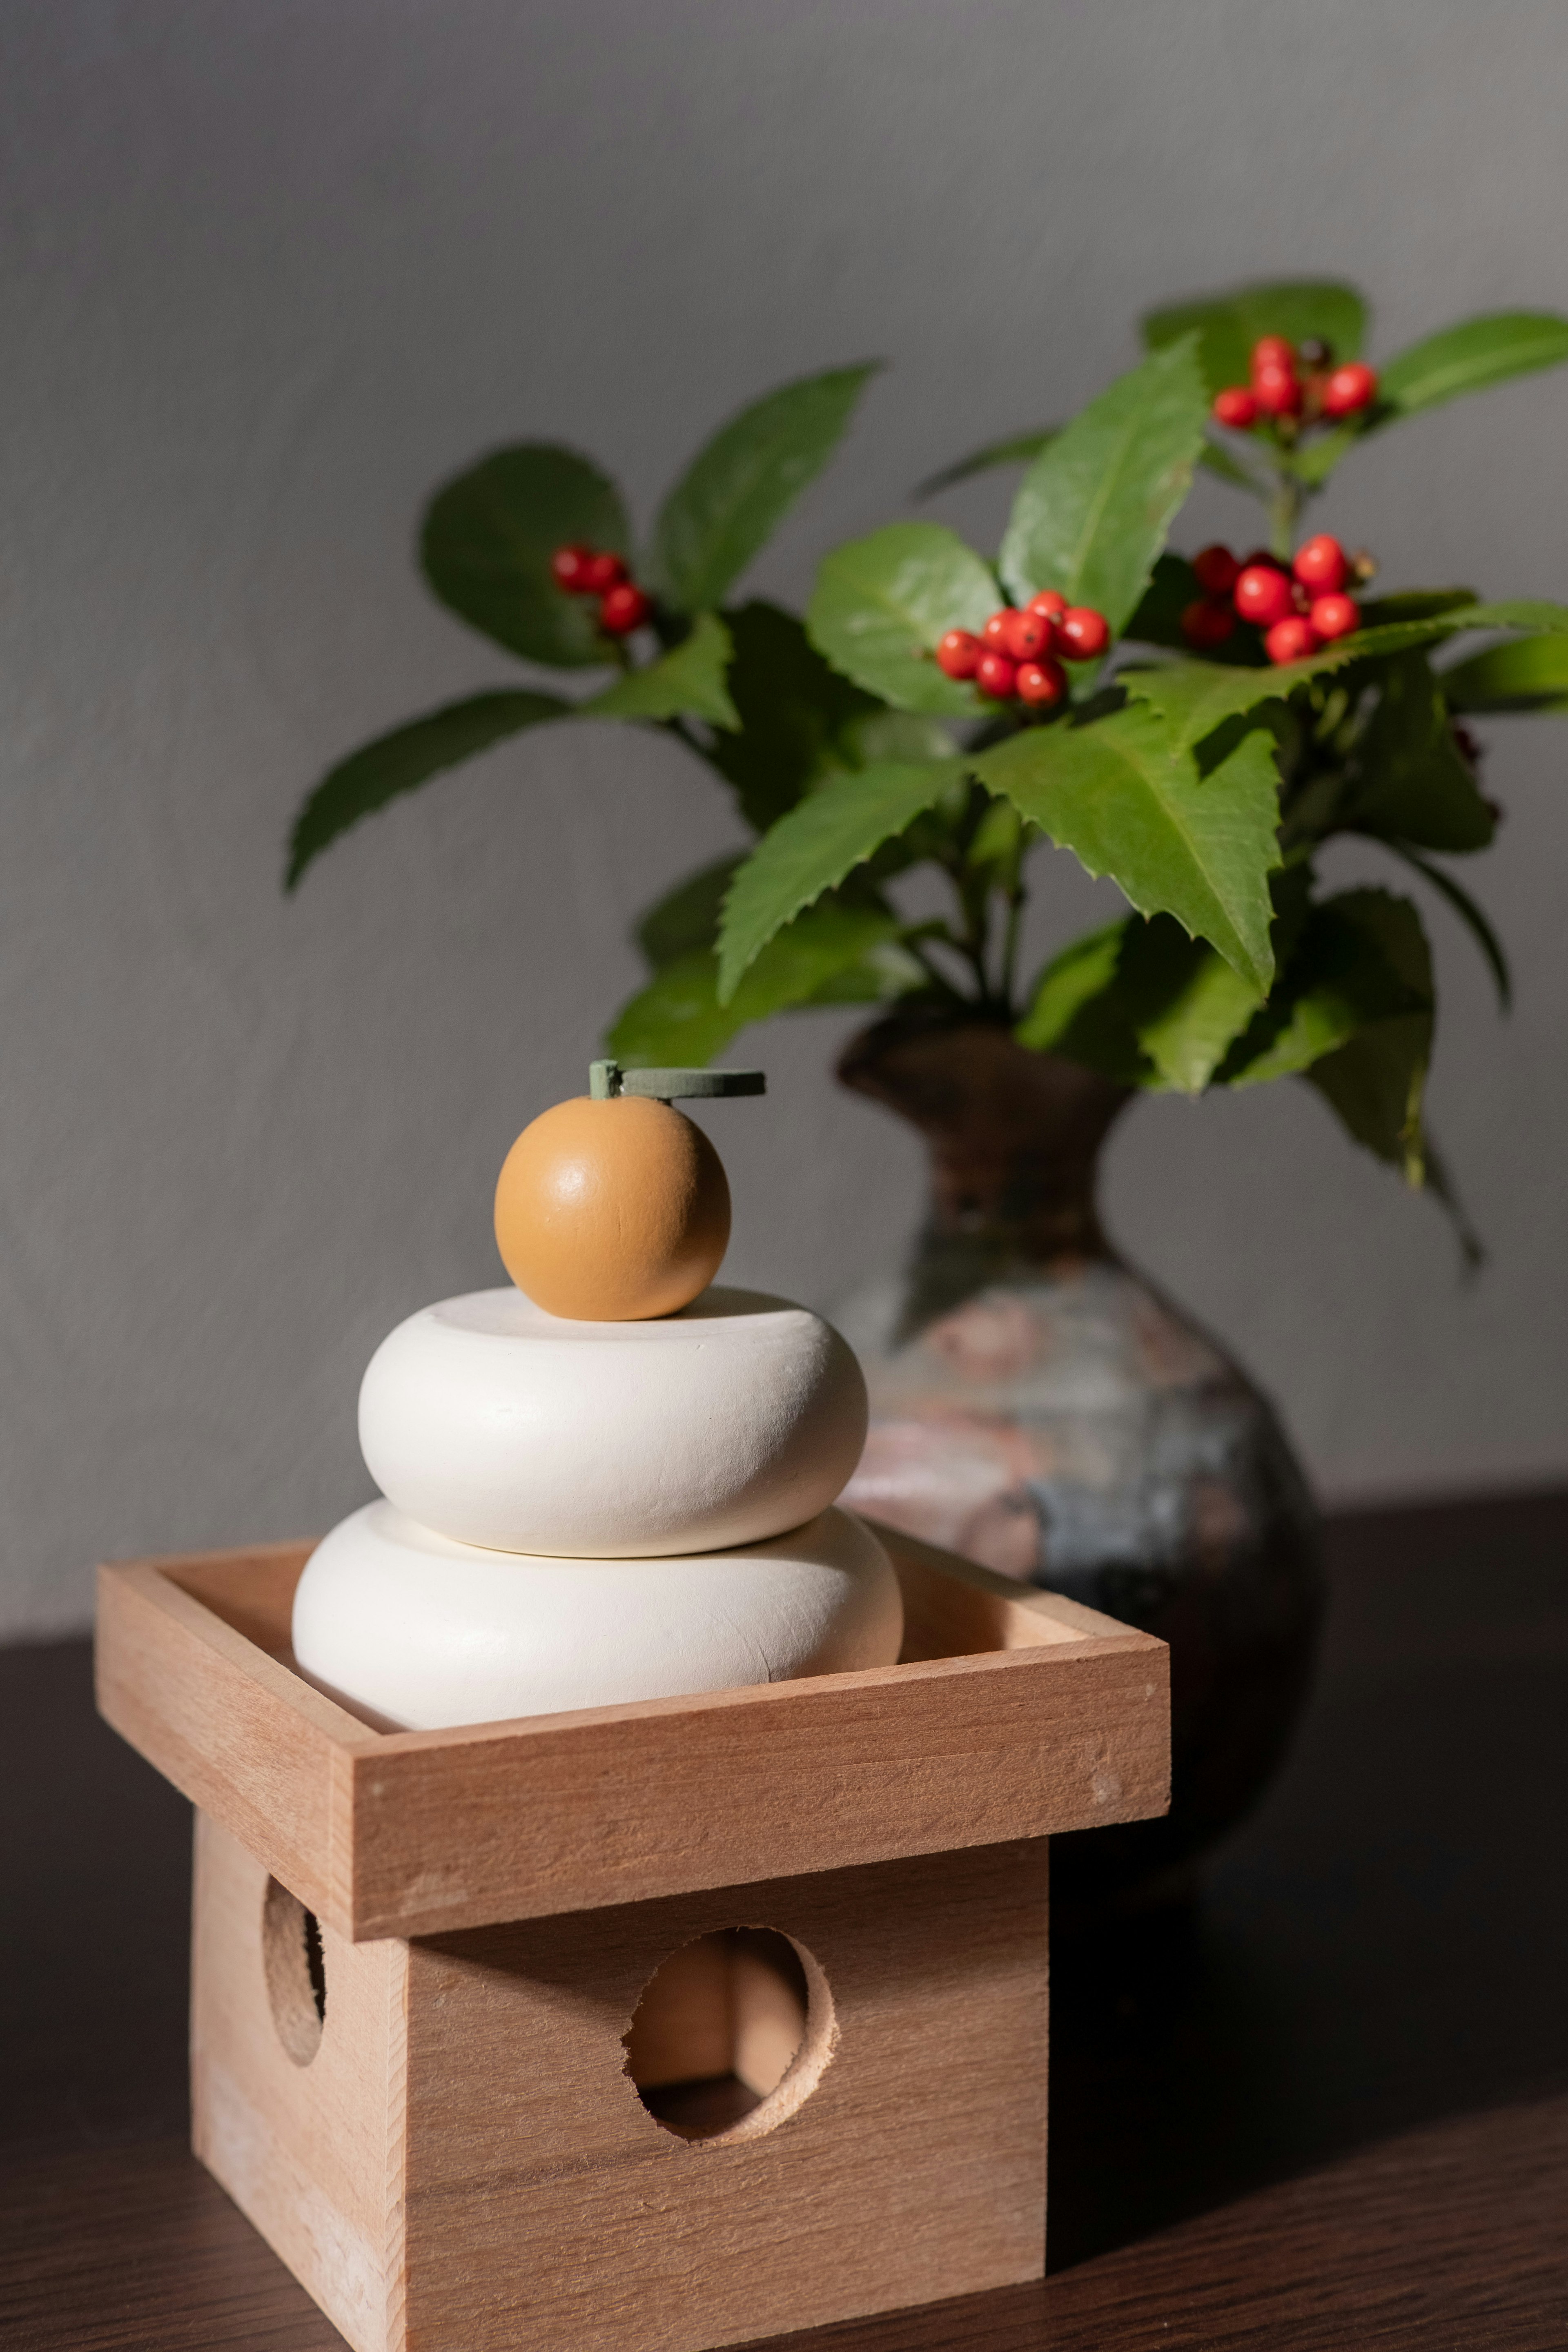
(1028, 634)
(1335, 616)
(1322, 564)
(623, 608)
(1082, 633)
(1278, 391)
(1041, 684)
(996, 676)
(1049, 604)
(958, 655)
(1218, 569)
(1236, 406)
(1290, 640)
(1350, 389)
(994, 633)
(567, 566)
(1262, 595)
(602, 573)
(1207, 624)
(1273, 351)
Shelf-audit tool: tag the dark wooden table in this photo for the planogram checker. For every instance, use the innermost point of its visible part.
(1327, 2107)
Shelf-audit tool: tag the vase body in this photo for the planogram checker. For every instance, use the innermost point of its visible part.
(1038, 1404)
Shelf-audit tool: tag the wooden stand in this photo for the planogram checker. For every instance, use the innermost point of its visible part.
(667, 2025)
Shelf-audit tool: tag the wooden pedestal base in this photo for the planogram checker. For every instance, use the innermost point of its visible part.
(419, 1958)
(464, 2162)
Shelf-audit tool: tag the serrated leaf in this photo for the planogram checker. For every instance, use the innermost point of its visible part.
(488, 536)
(1343, 979)
(1093, 509)
(1196, 697)
(685, 921)
(1407, 779)
(680, 1019)
(739, 488)
(686, 683)
(1528, 674)
(794, 708)
(1470, 357)
(399, 763)
(816, 846)
(1128, 803)
(1018, 451)
(1227, 325)
(1217, 460)
(882, 603)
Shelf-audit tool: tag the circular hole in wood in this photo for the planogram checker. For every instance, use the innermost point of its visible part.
(731, 2035)
(296, 1971)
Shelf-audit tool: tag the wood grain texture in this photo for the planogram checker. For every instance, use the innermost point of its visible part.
(545, 2206)
(1060, 1723)
(233, 1727)
(465, 2165)
(311, 2153)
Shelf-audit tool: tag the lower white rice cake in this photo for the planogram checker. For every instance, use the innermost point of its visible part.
(417, 1630)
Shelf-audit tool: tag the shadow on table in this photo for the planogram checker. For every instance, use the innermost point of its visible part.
(1381, 1944)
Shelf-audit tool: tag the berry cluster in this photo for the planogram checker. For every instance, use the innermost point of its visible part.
(1297, 608)
(590, 571)
(1018, 655)
(1294, 385)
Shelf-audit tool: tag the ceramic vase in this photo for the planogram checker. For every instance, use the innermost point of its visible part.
(1039, 1404)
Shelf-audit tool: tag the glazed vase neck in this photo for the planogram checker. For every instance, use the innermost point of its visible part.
(1013, 1136)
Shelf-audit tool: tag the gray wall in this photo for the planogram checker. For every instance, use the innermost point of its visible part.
(271, 269)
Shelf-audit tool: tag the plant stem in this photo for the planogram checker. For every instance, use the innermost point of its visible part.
(1284, 513)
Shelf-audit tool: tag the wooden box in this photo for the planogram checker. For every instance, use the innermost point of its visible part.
(667, 2025)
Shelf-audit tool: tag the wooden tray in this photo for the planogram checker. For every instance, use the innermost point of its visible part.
(1012, 1714)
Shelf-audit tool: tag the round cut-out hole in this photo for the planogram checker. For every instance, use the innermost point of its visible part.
(296, 1971)
(731, 2035)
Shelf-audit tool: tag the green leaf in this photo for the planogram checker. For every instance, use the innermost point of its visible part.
(1216, 459)
(793, 711)
(1529, 674)
(1196, 697)
(1376, 1081)
(1093, 509)
(1470, 357)
(1408, 780)
(688, 682)
(1205, 1006)
(882, 603)
(1227, 325)
(831, 954)
(686, 919)
(738, 490)
(1016, 451)
(816, 846)
(488, 539)
(1470, 914)
(1348, 973)
(1140, 1002)
(1129, 804)
(1076, 978)
(399, 763)
(1413, 604)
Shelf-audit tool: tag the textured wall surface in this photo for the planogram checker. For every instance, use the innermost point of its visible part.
(271, 272)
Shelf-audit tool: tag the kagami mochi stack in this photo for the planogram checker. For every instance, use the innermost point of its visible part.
(611, 1482)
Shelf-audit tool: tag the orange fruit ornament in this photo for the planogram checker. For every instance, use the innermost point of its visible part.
(612, 1211)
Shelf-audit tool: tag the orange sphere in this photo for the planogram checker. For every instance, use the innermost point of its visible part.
(611, 1211)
